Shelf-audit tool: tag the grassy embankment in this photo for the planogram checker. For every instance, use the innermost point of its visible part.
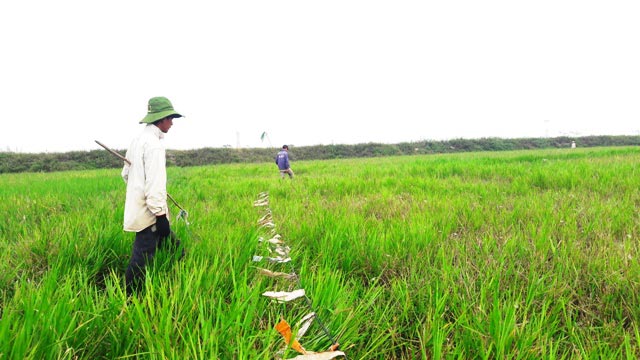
(530, 254)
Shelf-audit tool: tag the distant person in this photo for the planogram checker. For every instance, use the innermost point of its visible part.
(282, 159)
(573, 144)
(145, 210)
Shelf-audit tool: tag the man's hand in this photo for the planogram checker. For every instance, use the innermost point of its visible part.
(162, 226)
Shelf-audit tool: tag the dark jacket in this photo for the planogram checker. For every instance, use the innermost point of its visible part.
(282, 159)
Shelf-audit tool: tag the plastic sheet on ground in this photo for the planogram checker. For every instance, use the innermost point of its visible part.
(269, 224)
(276, 245)
(280, 260)
(304, 323)
(277, 274)
(285, 330)
(281, 250)
(265, 218)
(276, 240)
(284, 296)
(327, 355)
(261, 203)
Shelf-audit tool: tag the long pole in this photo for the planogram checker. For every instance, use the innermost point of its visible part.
(114, 152)
(129, 162)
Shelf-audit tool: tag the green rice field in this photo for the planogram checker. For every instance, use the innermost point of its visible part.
(492, 255)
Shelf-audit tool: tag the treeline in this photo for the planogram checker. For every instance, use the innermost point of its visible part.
(96, 159)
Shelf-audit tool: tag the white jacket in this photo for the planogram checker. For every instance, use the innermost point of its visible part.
(146, 180)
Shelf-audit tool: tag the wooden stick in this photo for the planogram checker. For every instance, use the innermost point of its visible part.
(113, 152)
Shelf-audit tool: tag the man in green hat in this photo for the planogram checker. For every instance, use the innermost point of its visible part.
(145, 211)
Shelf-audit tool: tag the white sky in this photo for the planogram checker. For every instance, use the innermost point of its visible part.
(322, 72)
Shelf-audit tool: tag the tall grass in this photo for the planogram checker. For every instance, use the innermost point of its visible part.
(520, 255)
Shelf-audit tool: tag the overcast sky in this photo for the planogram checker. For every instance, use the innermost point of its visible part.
(323, 72)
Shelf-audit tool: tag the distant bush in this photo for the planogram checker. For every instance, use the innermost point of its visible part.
(97, 159)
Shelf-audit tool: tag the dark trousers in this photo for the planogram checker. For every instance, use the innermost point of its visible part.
(144, 249)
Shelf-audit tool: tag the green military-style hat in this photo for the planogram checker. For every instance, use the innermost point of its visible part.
(159, 108)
